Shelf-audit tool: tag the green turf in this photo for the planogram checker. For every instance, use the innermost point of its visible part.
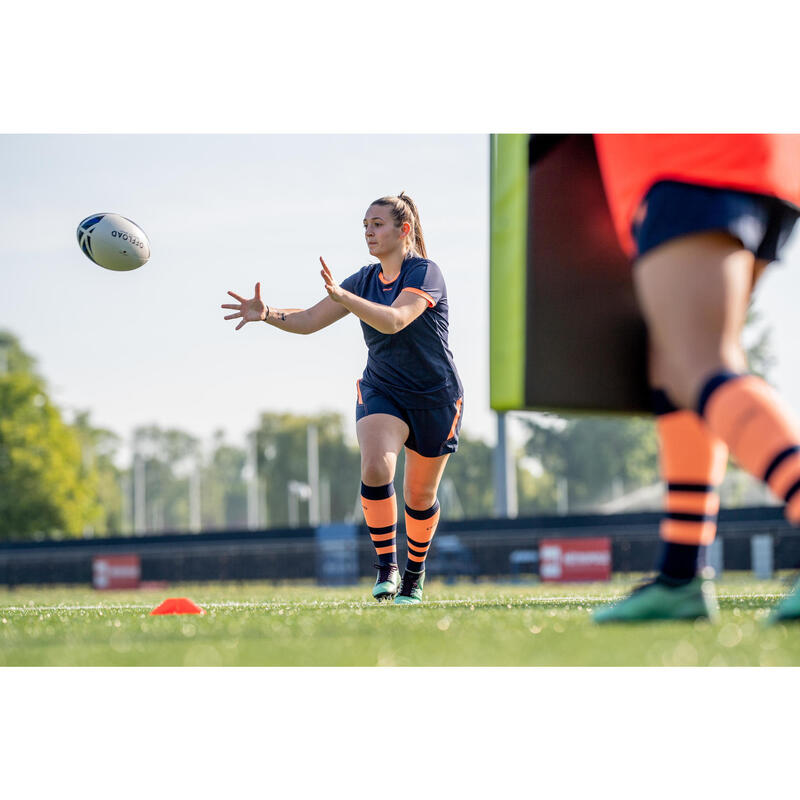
(466, 624)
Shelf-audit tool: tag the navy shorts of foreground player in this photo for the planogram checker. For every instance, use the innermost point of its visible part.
(432, 431)
(672, 209)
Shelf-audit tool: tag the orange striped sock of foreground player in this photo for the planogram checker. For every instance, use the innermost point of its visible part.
(420, 530)
(380, 513)
(762, 432)
(693, 462)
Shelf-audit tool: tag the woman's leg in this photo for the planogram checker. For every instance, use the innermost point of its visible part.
(692, 462)
(420, 486)
(380, 437)
(704, 284)
(694, 292)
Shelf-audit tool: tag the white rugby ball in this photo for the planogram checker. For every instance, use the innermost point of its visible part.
(113, 242)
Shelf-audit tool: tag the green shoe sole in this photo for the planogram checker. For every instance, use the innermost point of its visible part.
(788, 609)
(405, 600)
(657, 601)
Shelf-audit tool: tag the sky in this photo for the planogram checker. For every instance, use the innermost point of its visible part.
(225, 211)
(222, 212)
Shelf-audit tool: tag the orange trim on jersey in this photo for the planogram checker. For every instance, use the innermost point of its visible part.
(431, 301)
(455, 419)
(383, 280)
(358, 389)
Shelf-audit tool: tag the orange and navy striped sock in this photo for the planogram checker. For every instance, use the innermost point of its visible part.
(761, 431)
(420, 529)
(692, 461)
(380, 513)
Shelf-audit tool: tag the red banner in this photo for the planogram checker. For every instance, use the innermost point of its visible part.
(575, 559)
(116, 572)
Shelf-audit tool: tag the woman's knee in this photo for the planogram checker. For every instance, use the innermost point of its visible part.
(420, 498)
(682, 375)
(377, 469)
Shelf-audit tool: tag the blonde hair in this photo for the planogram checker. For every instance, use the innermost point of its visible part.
(403, 210)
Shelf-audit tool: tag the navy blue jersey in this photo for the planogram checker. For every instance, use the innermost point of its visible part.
(414, 365)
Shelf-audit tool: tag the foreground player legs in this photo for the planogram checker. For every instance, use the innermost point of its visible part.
(380, 437)
(420, 486)
(694, 293)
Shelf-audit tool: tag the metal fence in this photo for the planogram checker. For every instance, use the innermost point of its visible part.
(489, 548)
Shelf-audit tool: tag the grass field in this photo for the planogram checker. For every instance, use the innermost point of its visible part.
(466, 624)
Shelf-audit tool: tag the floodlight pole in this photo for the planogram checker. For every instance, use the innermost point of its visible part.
(252, 481)
(312, 446)
(195, 518)
(505, 473)
(139, 498)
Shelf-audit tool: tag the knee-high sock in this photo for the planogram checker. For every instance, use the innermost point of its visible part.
(380, 513)
(692, 462)
(761, 431)
(420, 529)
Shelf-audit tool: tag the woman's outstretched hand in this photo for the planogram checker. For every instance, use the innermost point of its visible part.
(335, 292)
(252, 310)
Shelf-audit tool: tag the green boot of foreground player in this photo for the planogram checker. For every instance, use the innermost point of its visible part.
(660, 601)
(788, 608)
(387, 582)
(411, 590)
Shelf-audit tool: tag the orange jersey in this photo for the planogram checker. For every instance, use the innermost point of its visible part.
(630, 164)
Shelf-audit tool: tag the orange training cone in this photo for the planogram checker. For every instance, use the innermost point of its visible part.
(177, 605)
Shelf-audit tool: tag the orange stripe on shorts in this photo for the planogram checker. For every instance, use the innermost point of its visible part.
(455, 419)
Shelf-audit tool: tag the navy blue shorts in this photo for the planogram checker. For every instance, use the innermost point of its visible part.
(672, 209)
(432, 431)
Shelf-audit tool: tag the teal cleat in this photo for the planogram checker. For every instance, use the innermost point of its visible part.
(411, 591)
(787, 609)
(658, 600)
(387, 583)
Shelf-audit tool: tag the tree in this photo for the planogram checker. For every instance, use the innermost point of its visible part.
(283, 457)
(99, 446)
(223, 487)
(595, 454)
(45, 486)
(169, 457)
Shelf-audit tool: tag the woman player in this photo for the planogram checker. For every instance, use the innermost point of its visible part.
(410, 393)
(701, 216)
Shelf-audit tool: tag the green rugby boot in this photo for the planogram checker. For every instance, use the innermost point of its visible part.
(411, 590)
(387, 582)
(658, 600)
(788, 608)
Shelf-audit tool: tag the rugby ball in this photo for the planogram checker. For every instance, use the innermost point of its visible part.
(113, 242)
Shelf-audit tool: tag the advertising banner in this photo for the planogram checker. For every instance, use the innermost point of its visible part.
(575, 559)
(116, 572)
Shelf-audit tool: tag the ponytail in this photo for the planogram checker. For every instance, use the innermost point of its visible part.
(418, 244)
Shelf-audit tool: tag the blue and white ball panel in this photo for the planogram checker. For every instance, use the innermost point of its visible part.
(113, 241)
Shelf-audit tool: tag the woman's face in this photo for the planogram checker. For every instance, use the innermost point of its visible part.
(381, 234)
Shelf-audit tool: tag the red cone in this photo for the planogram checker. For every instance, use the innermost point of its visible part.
(177, 605)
